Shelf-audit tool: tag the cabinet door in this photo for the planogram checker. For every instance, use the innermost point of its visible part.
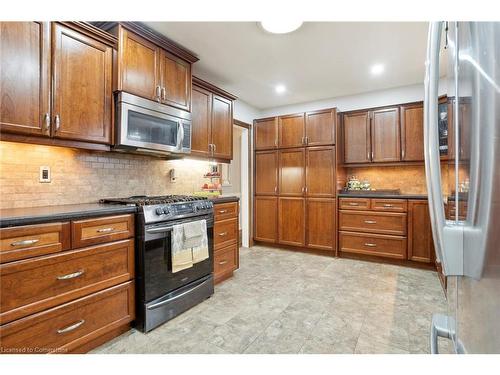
(320, 171)
(291, 221)
(266, 133)
(385, 135)
(222, 127)
(24, 77)
(82, 95)
(420, 244)
(266, 172)
(320, 223)
(175, 81)
(291, 131)
(320, 127)
(412, 132)
(138, 65)
(292, 172)
(201, 121)
(356, 137)
(266, 219)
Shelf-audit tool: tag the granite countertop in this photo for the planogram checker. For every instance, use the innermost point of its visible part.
(35, 215)
(224, 199)
(374, 194)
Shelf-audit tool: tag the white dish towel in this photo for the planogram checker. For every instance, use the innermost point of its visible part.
(189, 244)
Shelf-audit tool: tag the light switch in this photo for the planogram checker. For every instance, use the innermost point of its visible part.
(44, 174)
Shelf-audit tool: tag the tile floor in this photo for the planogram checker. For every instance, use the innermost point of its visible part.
(282, 301)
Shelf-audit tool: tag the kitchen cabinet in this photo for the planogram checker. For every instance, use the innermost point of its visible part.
(291, 221)
(320, 127)
(385, 139)
(291, 130)
(266, 173)
(201, 121)
(175, 76)
(266, 219)
(222, 127)
(265, 133)
(292, 172)
(25, 98)
(226, 233)
(356, 137)
(320, 171)
(412, 132)
(420, 242)
(320, 223)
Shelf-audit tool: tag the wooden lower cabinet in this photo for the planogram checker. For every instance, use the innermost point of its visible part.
(225, 262)
(373, 244)
(420, 242)
(320, 224)
(266, 219)
(291, 221)
(226, 246)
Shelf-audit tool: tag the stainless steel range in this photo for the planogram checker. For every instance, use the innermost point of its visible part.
(161, 293)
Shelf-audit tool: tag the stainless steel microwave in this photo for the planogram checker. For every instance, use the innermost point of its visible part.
(148, 127)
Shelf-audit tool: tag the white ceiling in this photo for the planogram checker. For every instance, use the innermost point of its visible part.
(320, 60)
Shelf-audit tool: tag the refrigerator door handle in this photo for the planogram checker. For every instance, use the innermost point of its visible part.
(439, 328)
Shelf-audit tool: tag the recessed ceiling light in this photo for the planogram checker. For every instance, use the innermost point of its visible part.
(280, 89)
(377, 69)
(280, 26)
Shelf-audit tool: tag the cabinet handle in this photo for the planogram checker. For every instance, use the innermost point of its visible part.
(370, 222)
(403, 153)
(223, 234)
(223, 262)
(303, 190)
(353, 204)
(275, 189)
(163, 94)
(307, 140)
(24, 242)
(215, 147)
(306, 189)
(388, 205)
(71, 327)
(71, 275)
(158, 93)
(57, 122)
(105, 230)
(46, 122)
(370, 244)
(372, 156)
(222, 211)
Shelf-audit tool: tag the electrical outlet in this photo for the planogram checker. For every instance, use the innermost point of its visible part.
(44, 174)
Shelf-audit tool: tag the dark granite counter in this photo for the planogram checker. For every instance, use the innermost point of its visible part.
(224, 199)
(36, 215)
(374, 194)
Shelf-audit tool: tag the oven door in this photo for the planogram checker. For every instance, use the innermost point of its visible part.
(158, 276)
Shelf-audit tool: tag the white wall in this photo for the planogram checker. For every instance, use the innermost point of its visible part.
(245, 112)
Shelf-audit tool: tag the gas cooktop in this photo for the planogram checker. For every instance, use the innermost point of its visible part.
(144, 200)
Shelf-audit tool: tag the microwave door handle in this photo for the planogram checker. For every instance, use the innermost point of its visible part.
(180, 135)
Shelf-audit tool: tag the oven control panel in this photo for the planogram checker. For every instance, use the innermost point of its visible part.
(172, 211)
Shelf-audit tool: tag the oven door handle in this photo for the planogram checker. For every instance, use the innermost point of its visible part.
(160, 304)
(159, 229)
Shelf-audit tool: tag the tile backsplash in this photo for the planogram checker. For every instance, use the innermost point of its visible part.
(79, 176)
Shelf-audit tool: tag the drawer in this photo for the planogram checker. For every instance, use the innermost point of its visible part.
(29, 286)
(373, 222)
(71, 325)
(225, 261)
(223, 211)
(373, 244)
(101, 230)
(33, 240)
(354, 203)
(389, 205)
(225, 233)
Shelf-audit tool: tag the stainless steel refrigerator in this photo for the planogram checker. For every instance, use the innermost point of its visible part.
(464, 186)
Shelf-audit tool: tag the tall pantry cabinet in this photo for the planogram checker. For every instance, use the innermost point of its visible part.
(295, 163)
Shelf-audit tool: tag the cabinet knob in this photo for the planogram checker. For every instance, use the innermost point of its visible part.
(57, 122)
(163, 94)
(158, 93)
(46, 122)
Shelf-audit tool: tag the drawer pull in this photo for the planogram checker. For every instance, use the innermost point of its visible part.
(222, 211)
(223, 234)
(370, 244)
(353, 204)
(24, 243)
(105, 230)
(71, 327)
(370, 222)
(388, 205)
(223, 262)
(71, 275)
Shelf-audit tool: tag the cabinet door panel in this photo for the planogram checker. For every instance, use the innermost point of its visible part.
(420, 243)
(292, 172)
(222, 127)
(320, 220)
(139, 65)
(320, 127)
(291, 221)
(24, 77)
(266, 133)
(291, 130)
(176, 81)
(385, 135)
(201, 123)
(82, 99)
(412, 132)
(357, 138)
(266, 219)
(320, 171)
(266, 172)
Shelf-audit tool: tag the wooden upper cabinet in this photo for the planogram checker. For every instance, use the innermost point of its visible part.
(266, 133)
(420, 243)
(356, 131)
(138, 65)
(320, 171)
(25, 77)
(201, 121)
(291, 221)
(266, 219)
(175, 81)
(82, 95)
(266, 173)
(320, 127)
(222, 127)
(385, 135)
(320, 223)
(292, 130)
(292, 172)
(412, 132)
